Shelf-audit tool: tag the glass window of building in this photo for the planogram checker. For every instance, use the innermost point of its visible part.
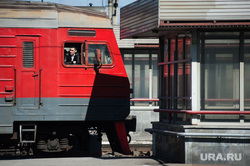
(142, 70)
(225, 62)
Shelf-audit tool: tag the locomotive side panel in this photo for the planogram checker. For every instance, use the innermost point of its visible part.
(8, 54)
(47, 89)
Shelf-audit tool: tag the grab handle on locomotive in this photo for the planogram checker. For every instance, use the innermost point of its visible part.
(35, 75)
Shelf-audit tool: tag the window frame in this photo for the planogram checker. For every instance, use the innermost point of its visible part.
(214, 36)
(110, 51)
(141, 101)
(81, 53)
(85, 58)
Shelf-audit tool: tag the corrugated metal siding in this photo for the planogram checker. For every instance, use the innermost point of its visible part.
(138, 17)
(204, 10)
(50, 15)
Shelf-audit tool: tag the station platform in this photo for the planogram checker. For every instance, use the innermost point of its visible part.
(92, 161)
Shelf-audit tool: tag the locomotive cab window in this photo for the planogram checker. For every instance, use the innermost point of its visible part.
(99, 54)
(74, 53)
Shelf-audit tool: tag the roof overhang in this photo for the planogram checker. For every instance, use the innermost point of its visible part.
(144, 19)
(171, 29)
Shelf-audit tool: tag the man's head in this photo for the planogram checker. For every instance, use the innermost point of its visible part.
(72, 51)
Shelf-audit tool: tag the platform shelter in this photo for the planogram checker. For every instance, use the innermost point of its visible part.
(204, 74)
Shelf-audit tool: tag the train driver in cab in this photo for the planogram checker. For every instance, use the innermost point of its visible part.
(74, 57)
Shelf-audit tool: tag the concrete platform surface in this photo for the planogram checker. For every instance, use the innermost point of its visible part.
(85, 161)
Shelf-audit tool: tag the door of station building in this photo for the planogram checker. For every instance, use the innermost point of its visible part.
(28, 73)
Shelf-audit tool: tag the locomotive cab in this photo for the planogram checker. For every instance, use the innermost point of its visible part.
(62, 80)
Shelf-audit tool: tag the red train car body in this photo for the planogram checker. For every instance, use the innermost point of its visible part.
(49, 101)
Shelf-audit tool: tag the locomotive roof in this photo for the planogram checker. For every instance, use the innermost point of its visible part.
(49, 15)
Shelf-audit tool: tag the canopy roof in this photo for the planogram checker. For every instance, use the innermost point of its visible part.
(149, 18)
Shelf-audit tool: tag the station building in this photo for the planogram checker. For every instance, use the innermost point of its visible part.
(203, 90)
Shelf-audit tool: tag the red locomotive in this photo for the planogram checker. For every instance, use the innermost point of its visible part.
(62, 77)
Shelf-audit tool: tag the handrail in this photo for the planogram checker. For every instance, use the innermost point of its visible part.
(202, 111)
(15, 77)
(173, 62)
(40, 91)
(170, 111)
(209, 100)
(175, 98)
(143, 99)
(230, 100)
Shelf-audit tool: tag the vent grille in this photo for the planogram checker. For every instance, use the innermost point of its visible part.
(81, 33)
(28, 54)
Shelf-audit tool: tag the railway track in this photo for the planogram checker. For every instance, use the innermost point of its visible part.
(138, 150)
